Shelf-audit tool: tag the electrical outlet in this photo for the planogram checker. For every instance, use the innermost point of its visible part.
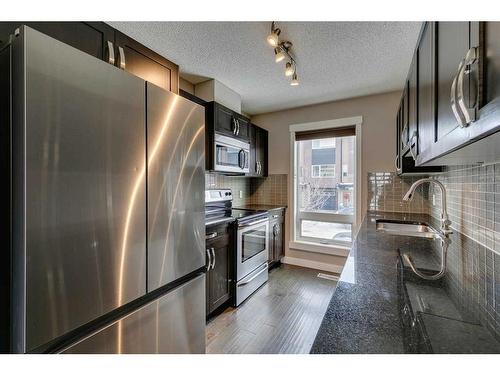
(241, 194)
(433, 199)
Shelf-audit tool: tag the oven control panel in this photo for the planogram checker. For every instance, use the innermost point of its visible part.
(218, 195)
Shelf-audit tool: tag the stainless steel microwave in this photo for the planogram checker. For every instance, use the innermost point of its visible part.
(230, 154)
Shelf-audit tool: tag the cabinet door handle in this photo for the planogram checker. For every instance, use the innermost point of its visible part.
(414, 135)
(233, 121)
(209, 259)
(110, 48)
(211, 235)
(213, 257)
(121, 53)
(469, 113)
(453, 99)
(396, 163)
(238, 127)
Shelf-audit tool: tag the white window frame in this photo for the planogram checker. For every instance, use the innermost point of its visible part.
(337, 247)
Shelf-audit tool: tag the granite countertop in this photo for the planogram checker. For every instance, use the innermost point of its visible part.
(260, 207)
(381, 306)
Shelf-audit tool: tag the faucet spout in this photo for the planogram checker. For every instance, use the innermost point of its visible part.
(445, 221)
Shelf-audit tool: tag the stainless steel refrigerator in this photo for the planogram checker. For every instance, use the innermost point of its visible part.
(106, 206)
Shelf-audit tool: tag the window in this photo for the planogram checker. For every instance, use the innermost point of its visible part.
(324, 210)
(325, 170)
(323, 143)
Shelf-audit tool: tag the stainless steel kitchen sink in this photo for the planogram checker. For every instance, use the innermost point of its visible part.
(406, 228)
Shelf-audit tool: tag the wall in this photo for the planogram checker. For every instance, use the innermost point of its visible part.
(213, 90)
(378, 142)
(186, 86)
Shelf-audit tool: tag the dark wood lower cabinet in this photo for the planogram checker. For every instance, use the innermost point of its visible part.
(276, 236)
(220, 270)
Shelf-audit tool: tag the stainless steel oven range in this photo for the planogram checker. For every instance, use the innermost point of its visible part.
(252, 240)
(252, 244)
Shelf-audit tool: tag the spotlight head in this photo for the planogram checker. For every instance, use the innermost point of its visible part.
(279, 55)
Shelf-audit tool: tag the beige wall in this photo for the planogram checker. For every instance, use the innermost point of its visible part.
(186, 86)
(378, 139)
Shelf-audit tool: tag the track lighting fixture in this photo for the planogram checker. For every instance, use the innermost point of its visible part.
(278, 54)
(273, 37)
(282, 51)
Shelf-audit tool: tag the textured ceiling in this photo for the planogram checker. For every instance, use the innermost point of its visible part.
(336, 60)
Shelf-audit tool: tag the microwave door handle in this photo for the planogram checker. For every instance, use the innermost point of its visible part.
(240, 159)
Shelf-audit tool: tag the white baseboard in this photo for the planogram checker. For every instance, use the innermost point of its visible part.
(334, 268)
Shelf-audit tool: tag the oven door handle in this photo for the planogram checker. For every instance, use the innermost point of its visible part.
(243, 225)
(264, 269)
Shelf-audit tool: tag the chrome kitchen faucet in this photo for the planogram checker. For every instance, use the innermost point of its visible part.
(445, 221)
(443, 233)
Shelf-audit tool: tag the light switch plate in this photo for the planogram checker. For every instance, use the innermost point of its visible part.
(241, 194)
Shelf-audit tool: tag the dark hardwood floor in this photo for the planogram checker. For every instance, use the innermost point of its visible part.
(281, 317)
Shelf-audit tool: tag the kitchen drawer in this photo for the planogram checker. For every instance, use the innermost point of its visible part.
(246, 286)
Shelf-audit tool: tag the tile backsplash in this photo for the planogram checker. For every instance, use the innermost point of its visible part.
(269, 190)
(386, 190)
(473, 203)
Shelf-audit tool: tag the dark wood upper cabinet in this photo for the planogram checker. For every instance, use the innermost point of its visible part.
(452, 44)
(415, 119)
(457, 96)
(258, 151)
(89, 37)
(102, 41)
(412, 107)
(261, 151)
(145, 63)
(426, 107)
(224, 120)
(243, 127)
(228, 122)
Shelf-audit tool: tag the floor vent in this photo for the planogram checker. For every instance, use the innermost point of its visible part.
(328, 276)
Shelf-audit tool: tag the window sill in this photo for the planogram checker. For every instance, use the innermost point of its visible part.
(338, 250)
